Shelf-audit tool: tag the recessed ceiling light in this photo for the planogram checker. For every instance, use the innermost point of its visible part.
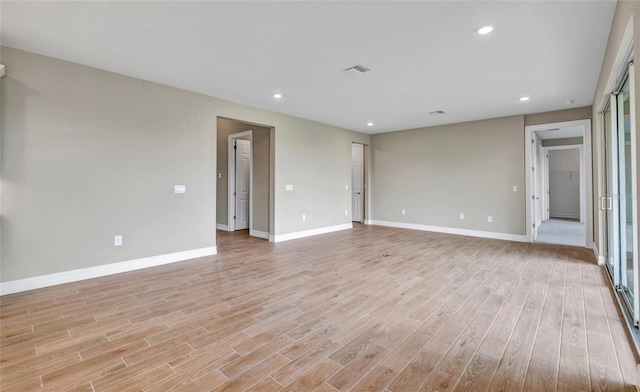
(369, 124)
(482, 30)
(525, 98)
(277, 96)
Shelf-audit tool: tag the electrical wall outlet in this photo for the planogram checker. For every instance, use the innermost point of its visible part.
(304, 217)
(117, 240)
(346, 187)
(461, 215)
(515, 188)
(404, 212)
(179, 189)
(346, 212)
(489, 219)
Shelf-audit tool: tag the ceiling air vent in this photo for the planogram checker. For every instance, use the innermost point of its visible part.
(357, 69)
(437, 112)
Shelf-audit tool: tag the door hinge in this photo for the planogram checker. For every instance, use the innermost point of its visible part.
(234, 217)
(533, 197)
(534, 225)
(235, 147)
(234, 193)
(532, 141)
(533, 168)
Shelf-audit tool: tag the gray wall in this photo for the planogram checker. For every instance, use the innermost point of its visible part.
(566, 141)
(88, 154)
(260, 185)
(581, 113)
(564, 183)
(438, 172)
(313, 163)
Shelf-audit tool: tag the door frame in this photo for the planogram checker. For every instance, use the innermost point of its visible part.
(583, 189)
(363, 192)
(231, 183)
(528, 159)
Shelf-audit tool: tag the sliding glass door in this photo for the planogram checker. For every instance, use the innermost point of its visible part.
(627, 204)
(620, 201)
(607, 202)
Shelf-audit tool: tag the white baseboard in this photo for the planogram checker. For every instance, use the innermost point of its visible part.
(562, 216)
(308, 233)
(451, 230)
(37, 282)
(259, 234)
(368, 222)
(597, 254)
(220, 226)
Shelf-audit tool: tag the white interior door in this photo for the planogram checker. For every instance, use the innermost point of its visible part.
(357, 182)
(242, 183)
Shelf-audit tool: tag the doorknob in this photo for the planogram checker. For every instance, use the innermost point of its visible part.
(357, 193)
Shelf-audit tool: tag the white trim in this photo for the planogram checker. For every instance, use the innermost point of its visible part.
(565, 216)
(452, 230)
(368, 221)
(220, 226)
(599, 258)
(231, 179)
(37, 282)
(634, 189)
(259, 234)
(308, 233)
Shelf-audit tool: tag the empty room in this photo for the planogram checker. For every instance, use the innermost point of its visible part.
(319, 196)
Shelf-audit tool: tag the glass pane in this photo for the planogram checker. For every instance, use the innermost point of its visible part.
(609, 149)
(625, 196)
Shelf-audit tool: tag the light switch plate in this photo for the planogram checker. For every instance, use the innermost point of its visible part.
(515, 188)
(288, 187)
(179, 189)
(117, 240)
(489, 219)
(461, 215)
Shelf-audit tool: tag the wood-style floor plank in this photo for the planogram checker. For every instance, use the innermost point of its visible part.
(367, 309)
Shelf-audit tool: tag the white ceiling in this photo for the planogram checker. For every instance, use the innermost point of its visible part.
(246, 51)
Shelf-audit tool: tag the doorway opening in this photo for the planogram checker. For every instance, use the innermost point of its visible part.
(559, 183)
(244, 164)
(358, 187)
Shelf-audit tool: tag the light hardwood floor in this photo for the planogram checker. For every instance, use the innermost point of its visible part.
(368, 309)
